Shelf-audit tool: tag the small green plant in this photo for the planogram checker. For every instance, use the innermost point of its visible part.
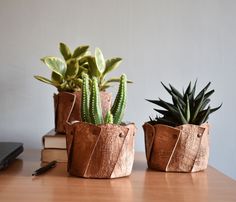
(67, 72)
(186, 107)
(91, 104)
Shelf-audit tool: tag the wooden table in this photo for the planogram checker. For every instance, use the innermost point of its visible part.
(17, 184)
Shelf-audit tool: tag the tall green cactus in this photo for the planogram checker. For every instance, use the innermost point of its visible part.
(95, 103)
(119, 105)
(85, 99)
(91, 103)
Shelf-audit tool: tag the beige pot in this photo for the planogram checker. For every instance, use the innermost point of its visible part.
(68, 105)
(177, 149)
(103, 151)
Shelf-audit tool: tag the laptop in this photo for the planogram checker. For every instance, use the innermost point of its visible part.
(8, 152)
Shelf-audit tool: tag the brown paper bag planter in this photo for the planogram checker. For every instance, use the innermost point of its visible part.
(177, 149)
(100, 151)
(66, 103)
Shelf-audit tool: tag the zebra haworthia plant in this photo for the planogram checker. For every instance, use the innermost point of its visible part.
(67, 74)
(91, 103)
(186, 107)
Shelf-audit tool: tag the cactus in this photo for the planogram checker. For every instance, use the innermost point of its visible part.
(85, 98)
(108, 118)
(95, 103)
(91, 107)
(118, 107)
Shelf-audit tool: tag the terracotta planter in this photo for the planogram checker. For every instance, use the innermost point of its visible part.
(103, 151)
(177, 149)
(68, 105)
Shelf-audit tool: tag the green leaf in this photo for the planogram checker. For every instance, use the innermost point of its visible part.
(72, 68)
(207, 95)
(80, 51)
(104, 87)
(184, 121)
(163, 112)
(65, 51)
(191, 96)
(45, 80)
(115, 80)
(187, 110)
(188, 91)
(55, 64)
(112, 64)
(56, 78)
(198, 97)
(99, 59)
(93, 69)
(176, 92)
(206, 115)
(198, 105)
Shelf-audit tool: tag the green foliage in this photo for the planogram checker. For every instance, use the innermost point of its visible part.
(186, 107)
(67, 74)
(91, 109)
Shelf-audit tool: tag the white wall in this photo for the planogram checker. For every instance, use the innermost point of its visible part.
(160, 40)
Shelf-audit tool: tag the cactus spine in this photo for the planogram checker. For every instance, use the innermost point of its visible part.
(91, 104)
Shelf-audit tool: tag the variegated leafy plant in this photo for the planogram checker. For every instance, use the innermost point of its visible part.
(186, 107)
(67, 72)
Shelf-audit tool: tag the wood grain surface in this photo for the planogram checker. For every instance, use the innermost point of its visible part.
(17, 184)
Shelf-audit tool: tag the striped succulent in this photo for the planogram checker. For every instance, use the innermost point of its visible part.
(186, 107)
(91, 103)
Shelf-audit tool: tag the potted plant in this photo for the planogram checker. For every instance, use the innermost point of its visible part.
(100, 147)
(177, 141)
(66, 76)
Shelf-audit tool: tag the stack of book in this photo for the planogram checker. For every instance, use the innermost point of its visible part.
(54, 147)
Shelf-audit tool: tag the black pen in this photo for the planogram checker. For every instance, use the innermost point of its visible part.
(45, 168)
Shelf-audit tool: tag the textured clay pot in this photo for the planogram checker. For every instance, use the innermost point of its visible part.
(102, 151)
(177, 149)
(68, 105)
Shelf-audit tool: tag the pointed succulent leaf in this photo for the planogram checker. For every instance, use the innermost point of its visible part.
(100, 61)
(202, 92)
(65, 51)
(80, 51)
(183, 119)
(187, 91)
(198, 105)
(215, 109)
(206, 115)
(167, 89)
(187, 110)
(111, 64)
(163, 112)
(192, 94)
(176, 92)
(55, 64)
(208, 94)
